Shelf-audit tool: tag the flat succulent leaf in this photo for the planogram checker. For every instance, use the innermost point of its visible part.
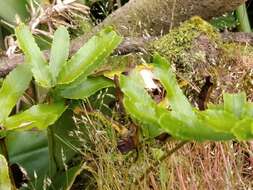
(219, 120)
(176, 98)
(139, 104)
(59, 51)
(249, 109)
(182, 130)
(29, 149)
(38, 116)
(243, 130)
(13, 88)
(33, 55)
(85, 89)
(90, 56)
(5, 182)
(235, 103)
(66, 179)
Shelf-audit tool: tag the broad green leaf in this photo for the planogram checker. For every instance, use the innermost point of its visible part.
(12, 8)
(59, 51)
(219, 120)
(29, 149)
(13, 88)
(235, 103)
(182, 130)
(33, 55)
(249, 109)
(176, 98)
(87, 88)
(5, 182)
(90, 56)
(243, 129)
(66, 179)
(38, 116)
(139, 104)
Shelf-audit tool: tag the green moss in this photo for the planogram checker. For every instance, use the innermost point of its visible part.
(179, 40)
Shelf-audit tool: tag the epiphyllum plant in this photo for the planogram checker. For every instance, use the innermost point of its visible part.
(67, 78)
(62, 77)
(231, 120)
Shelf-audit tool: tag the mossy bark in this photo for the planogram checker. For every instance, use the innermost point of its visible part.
(157, 17)
(198, 52)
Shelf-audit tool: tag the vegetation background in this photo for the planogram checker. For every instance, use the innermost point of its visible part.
(94, 146)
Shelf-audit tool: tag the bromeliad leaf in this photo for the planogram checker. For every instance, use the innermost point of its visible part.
(34, 56)
(90, 56)
(86, 88)
(5, 182)
(13, 88)
(59, 52)
(38, 116)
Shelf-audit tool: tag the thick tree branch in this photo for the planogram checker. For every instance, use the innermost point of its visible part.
(144, 17)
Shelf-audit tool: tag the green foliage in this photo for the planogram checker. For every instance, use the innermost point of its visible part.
(90, 56)
(226, 21)
(59, 52)
(231, 120)
(12, 90)
(5, 182)
(38, 116)
(87, 88)
(74, 72)
(33, 56)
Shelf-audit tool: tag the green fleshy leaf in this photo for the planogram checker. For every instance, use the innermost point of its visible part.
(199, 132)
(235, 103)
(176, 98)
(85, 89)
(139, 104)
(33, 55)
(59, 51)
(243, 129)
(5, 182)
(219, 120)
(90, 56)
(13, 88)
(38, 116)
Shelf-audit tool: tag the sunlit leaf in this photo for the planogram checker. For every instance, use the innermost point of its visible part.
(12, 89)
(33, 56)
(176, 98)
(59, 51)
(235, 103)
(12, 8)
(90, 56)
(38, 116)
(219, 120)
(139, 104)
(5, 182)
(244, 129)
(86, 88)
